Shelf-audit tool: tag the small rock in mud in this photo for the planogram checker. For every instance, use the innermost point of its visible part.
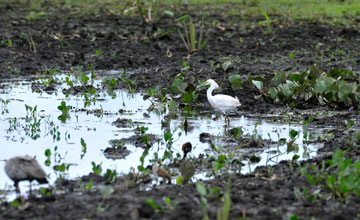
(136, 140)
(122, 123)
(119, 152)
(125, 123)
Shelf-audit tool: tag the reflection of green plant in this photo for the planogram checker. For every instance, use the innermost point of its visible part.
(60, 166)
(4, 103)
(64, 111)
(337, 87)
(84, 148)
(341, 177)
(32, 126)
(191, 42)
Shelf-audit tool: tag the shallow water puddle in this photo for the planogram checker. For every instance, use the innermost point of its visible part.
(93, 124)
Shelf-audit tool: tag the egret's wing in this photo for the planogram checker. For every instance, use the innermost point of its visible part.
(226, 100)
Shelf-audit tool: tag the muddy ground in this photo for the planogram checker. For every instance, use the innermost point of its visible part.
(66, 39)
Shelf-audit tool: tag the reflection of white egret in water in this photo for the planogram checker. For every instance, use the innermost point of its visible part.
(221, 103)
(24, 168)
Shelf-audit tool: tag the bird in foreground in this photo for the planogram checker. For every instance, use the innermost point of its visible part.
(158, 171)
(24, 168)
(186, 148)
(221, 103)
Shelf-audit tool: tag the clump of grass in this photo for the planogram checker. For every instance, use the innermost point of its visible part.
(192, 42)
(151, 15)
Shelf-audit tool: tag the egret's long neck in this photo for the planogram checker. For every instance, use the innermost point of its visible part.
(209, 91)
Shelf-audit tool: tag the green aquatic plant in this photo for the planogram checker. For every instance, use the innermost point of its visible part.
(186, 88)
(110, 175)
(127, 82)
(192, 42)
(335, 88)
(96, 168)
(339, 175)
(235, 81)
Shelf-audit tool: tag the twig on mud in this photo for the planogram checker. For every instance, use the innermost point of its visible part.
(32, 43)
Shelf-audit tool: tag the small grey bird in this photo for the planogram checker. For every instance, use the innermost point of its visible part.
(24, 168)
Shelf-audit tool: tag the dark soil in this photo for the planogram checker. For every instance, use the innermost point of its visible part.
(65, 40)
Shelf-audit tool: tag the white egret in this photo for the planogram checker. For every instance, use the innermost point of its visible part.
(221, 103)
(24, 168)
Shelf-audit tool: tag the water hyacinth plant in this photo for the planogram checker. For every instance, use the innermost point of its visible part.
(336, 87)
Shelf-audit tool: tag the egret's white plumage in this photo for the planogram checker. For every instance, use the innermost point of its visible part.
(24, 168)
(221, 103)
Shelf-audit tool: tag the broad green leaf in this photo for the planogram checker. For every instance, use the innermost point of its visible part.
(226, 65)
(328, 81)
(235, 81)
(285, 90)
(272, 93)
(320, 86)
(179, 180)
(151, 92)
(293, 133)
(259, 84)
(201, 188)
(234, 77)
(187, 98)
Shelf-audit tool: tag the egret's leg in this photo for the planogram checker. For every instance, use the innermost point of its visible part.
(227, 120)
